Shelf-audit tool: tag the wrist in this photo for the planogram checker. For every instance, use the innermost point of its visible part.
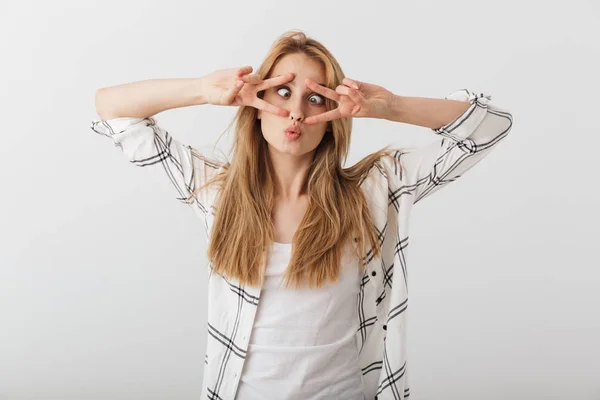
(391, 105)
(394, 107)
(199, 91)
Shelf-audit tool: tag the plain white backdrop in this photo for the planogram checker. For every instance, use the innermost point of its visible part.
(103, 272)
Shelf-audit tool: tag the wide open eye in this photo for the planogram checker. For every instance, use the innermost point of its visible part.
(283, 88)
(321, 99)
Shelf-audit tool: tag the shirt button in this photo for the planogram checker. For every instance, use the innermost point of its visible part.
(385, 327)
(373, 273)
(375, 397)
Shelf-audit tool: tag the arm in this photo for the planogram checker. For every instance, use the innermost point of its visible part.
(468, 123)
(422, 111)
(146, 98)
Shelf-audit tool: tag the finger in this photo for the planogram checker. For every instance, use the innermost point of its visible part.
(325, 91)
(326, 116)
(352, 83)
(253, 79)
(233, 91)
(270, 108)
(355, 95)
(278, 80)
(243, 71)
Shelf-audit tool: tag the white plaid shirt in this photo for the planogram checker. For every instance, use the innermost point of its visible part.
(391, 192)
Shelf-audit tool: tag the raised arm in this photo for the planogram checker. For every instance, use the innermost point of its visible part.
(146, 98)
(468, 124)
(127, 111)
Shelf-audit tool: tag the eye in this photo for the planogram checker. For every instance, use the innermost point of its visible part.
(283, 87)
(321, 98)
(320, 101)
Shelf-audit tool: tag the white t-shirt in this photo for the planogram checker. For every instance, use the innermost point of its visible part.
(303, 342)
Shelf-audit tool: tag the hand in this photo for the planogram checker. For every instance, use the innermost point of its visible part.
(355, 98)
(234, 87)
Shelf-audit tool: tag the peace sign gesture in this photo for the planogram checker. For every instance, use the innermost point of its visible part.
(355, 98)
(235, 87)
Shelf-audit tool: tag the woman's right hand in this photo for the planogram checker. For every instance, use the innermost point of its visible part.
(234, 87)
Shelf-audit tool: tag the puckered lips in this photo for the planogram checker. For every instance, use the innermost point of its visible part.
(295, 129)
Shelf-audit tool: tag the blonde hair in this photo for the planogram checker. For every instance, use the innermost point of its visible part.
(337, 212)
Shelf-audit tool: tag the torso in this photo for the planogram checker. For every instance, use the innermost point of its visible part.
(287, 217)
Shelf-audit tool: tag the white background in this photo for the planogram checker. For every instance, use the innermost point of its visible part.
(103, 272)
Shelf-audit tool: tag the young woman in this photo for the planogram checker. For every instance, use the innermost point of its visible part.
(307, 291)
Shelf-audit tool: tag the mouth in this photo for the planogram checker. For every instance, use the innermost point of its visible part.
(294, 130)
(292, 134)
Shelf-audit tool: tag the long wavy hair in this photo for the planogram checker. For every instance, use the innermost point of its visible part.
(337, 214)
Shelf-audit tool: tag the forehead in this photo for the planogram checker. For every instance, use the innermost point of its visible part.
(302, 66)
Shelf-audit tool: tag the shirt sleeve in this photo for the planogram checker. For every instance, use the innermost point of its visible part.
(145, 144)
(464, 142)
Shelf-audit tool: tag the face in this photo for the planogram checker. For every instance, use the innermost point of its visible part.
(300, 101)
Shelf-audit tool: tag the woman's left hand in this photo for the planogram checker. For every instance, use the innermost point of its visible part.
(355, 99)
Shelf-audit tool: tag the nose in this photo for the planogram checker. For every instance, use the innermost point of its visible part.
(296, 109)
(296, 116)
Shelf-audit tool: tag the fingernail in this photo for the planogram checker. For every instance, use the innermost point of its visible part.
(354, 85)
(239, 83)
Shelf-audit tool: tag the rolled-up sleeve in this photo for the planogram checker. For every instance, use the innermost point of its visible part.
(464, 142)
(145, 144)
